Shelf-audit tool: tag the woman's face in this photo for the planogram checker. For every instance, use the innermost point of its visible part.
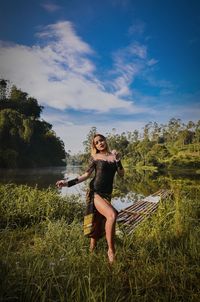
(100, 143)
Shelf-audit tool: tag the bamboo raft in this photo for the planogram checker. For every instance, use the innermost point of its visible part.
(131, 216)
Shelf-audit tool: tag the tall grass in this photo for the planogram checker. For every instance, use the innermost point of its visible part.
(44, 255)
(26, 206)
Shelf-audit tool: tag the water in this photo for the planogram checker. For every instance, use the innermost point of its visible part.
(42, 177)
(47, 177)
(135, 185)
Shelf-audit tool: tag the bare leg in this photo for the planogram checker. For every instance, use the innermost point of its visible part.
(93, 243)
(97, 232)
(107, 210)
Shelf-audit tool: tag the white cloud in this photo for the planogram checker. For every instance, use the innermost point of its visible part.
(160, 83)
(137, 27)
(58, 72)
(50, 7)
(128, 64)
(74, 134)
(138, 50)
(57, 117)
(152, 62)
(63, 39)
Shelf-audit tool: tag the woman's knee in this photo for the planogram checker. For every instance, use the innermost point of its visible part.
(112, 215)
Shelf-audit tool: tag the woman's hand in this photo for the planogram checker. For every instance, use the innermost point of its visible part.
(62, 183)
(117, 155)
(120, 169)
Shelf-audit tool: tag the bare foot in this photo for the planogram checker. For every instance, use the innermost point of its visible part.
(92, 249)
(92, 245)
(111, 256)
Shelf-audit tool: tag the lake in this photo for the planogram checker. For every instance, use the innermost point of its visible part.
(135, 185)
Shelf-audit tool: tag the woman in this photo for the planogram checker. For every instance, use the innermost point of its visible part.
(105, 164)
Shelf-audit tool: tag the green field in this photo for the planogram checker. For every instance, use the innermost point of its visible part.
(45, 257)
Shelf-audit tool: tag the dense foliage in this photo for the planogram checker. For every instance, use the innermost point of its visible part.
(25, 140)
(174, 145)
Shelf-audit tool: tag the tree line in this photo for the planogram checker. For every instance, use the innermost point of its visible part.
(25, 139)
(171, 145)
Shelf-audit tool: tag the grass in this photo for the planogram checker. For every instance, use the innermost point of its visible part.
(44, 255)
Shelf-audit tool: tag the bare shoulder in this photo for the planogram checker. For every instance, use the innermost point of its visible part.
(94, 157)
(111, 156)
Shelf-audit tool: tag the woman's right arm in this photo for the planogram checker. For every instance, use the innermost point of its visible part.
(69, 183)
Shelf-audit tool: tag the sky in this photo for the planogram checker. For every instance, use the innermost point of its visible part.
(109, 64)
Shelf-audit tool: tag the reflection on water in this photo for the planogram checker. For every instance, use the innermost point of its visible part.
(135, 185)
(43, 178)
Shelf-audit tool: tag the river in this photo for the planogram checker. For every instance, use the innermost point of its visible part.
(136, 184)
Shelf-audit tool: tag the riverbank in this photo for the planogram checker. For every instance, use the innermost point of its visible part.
(44, 256)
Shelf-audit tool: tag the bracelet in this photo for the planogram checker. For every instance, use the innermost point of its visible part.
(119, 165)
(72, 182)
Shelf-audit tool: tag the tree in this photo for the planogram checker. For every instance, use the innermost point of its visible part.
(185, 137)
(3, 89)
(87, 142)
(197, 135)
(146, 134)
(118, 142)
(174, 126)
(25, 140)
(157, 154)
(26, 105)
(156, 132)
(143, 148)
(133, 136)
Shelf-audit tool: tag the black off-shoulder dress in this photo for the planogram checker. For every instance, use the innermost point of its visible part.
(101, 184)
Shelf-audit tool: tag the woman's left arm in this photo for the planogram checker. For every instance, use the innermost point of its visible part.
(120, 169)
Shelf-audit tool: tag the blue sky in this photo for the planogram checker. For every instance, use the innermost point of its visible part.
(105, 63)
